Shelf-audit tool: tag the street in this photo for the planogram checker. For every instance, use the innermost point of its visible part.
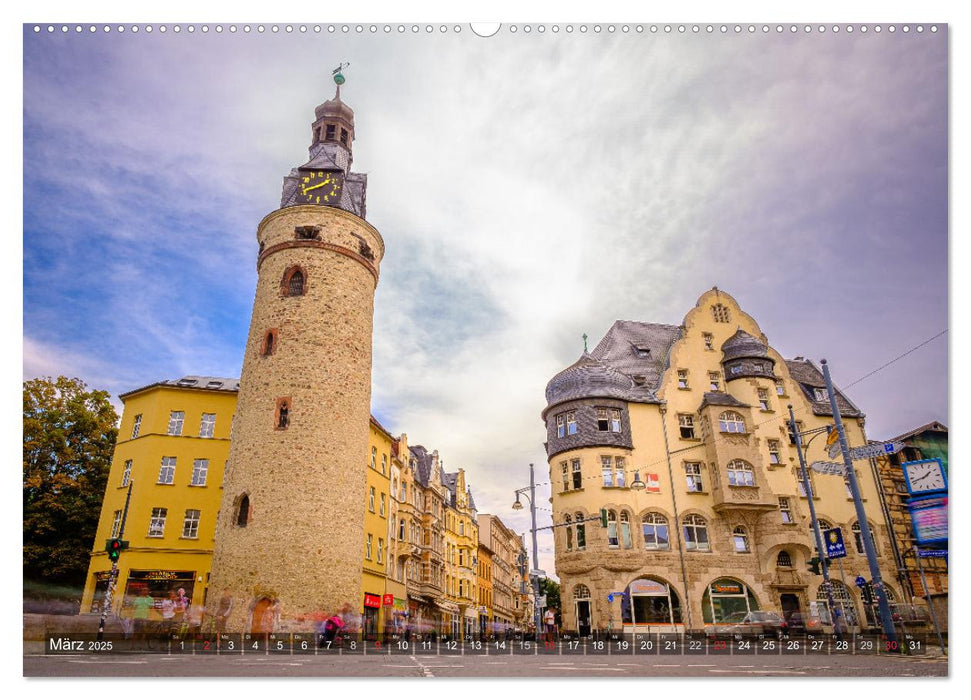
(506, 666)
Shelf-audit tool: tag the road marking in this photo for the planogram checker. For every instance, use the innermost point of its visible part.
(770, 671)
(700, 665)
(666, 665)
(425, 671)
(103, 661)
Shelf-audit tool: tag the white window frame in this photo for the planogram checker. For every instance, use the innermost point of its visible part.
(763, 399)
(714, 381)
(615, 424)
(607, 469)
(613, 538)
(207, 426)
(190, 524)
(625, 536)
(692, 471)
(709, 341)
(571, 423)
(653, 521)
(156, 525)
(682, 379)
(731, 422)
(115, 525)
(200, 472)
(696, 525)
(820, 394)
(166, 472)
(620, 473)
(785, 509)
(126, 475)
(380, 550)
(565, 466)
(774, 452)
(577, 474)
(740, 473)
(136, 426)
(176, 422)
(780, 387)
(686, 422)
(561, 425)
(371, 498)
(368, 546)
(740, 535)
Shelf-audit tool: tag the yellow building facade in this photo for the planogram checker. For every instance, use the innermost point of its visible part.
(696, 414)
(484, 575)
(172, 446)
(377, 607)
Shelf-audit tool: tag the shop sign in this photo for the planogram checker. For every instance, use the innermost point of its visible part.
(372, 601)
(102, 576)
(644, 586)
(401, 605)
(726, 588)
(835, 549)
(388, 599)
(929, 516)
(160, 575)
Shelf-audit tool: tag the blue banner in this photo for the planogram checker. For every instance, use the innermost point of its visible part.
(834, 543)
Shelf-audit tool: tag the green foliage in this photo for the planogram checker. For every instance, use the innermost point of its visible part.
(551, 589)
(69, 436)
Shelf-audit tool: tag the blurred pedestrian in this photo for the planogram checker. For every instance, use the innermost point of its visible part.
(224, 610)
(141, 611)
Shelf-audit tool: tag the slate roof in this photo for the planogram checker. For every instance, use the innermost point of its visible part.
(629, 350)
(472, 501)
(449, 481)
(810, 377)
(720, 398)
(743, 344)
(192, 382)
(423, 464)
(934, 427)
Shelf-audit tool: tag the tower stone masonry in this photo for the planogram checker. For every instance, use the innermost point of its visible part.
(289, 533)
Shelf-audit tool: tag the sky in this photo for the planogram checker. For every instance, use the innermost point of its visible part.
(529, 187)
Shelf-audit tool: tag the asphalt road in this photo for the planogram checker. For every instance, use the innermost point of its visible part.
(507, 666)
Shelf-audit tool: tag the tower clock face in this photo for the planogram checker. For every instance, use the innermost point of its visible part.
(926, 476)
(319, 187)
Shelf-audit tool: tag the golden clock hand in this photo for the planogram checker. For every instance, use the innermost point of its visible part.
(313, 187)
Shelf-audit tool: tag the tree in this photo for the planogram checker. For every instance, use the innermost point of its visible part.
(69, 436)
(551, 589)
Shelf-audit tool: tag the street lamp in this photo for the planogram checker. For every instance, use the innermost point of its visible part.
(637, 484)
(531, 497)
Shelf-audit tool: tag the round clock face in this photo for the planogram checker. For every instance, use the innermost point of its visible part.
(319, 187)
(926, 476)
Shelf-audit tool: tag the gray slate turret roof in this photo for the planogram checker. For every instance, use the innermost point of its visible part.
(743, 344)
(720, 398)
(423, 464)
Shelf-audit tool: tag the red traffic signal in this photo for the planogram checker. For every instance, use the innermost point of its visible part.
(114, 547)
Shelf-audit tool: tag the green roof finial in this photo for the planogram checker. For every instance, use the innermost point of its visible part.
(339, 74)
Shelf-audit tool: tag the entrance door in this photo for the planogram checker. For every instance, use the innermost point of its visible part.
(583, 617)
(259, 612)
(790, 604)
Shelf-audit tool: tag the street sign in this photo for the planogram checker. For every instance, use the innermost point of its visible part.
(834, 543)
(884, 448)
(828, 468)
(833, 442)
(538, 573)
(541, 601)
(860, 581)
(928, 553)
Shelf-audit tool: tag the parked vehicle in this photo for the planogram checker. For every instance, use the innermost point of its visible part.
(749, 624)
(803, 623)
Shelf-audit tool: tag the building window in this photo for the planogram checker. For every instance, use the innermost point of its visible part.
(370, 504)
(731, 422)
(269, 344)
(367, 545)
(560, 425)
(858, 538)
(569, 532)
(136, 427)
(581, 592)
(792, 438)
(381, 508)
(612, 540)
(740, 540)
(380, 550)
(115, 525)
(686, 423)
(720, 313)
(577, 475)
(242, 511)
(608, 471)
(581, 532)
(758, 366)
(404, 492)
(740, 473)
(571, 423)
(401, 530)
(802, 484)
(774, 452)
(156, 526)
(820, 394)
(785, 510)
(295, 284)
(208, 425)
(621, 475)
(692, 471)
(374, 457)
(190, 526)
(603, 420)
(176, 418)
(566, 475)
(849, 489)
(696, 534)
(200, 469)
(764, 399)
(709, 341)
(714, 381)
(625, 529)
(166, 475)
(780, 387)
(126, 475)
(384, 464)
(655, 530)
(331, 132)
(784, 560)
(282, 413)
(344, 136)
(682, 379)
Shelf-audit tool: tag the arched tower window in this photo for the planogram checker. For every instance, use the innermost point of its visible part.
(283, 407)
(295, 284)
(569, 532)
(783, 559)
(242, 511)
(269, 343)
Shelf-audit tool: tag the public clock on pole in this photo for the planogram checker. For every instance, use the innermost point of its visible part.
(319, 187)
(925, 476)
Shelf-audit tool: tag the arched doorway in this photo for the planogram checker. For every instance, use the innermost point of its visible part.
(263, 617)
(581, 601)
(845, 612)
(724, 597)
(648, 604)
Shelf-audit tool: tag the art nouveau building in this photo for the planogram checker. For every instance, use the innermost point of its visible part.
(696, 413)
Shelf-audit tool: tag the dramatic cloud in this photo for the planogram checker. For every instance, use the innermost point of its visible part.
(530, 188)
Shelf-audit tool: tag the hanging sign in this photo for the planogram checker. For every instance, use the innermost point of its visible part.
(835, 549)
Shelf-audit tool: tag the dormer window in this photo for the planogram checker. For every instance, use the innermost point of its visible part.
(642, 351)
(331, 132)
(820, 394)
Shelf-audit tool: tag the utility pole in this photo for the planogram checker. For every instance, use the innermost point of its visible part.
(812, 513)
(113, 576)
(871, 554)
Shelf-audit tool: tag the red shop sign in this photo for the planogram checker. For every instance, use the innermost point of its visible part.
(372, 601)
(388, 598)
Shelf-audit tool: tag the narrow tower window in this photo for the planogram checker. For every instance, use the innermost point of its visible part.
(283, 413)
(269, 343)
(242, 511)
(331, 132)
(295, 284)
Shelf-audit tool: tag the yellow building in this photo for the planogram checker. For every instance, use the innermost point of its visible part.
(679, 433)
(461, 545)
(376, 615)
(484, 575)
(172, 447)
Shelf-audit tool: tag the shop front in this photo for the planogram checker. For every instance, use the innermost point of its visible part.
(725, 597)
(371, 617)
(100, 589)
(159, 583)
(650, 605)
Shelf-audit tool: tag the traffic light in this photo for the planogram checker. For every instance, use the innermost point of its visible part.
(114, 549)
(603, 517)
(814, 565)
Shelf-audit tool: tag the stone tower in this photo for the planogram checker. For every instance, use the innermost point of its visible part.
(292, 518)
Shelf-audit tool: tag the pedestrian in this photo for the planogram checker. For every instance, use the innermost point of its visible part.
(141, 611)
(550, 620)
(224, 610)
(168, 613)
